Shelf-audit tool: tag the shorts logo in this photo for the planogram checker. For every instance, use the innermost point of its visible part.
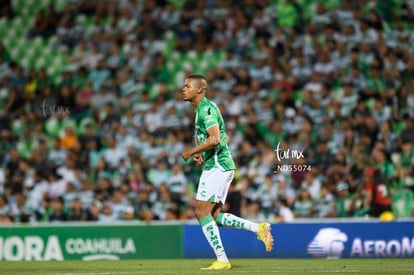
(213, 199)
(203, 193)
(328, 243)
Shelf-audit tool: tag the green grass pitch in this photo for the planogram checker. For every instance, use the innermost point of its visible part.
(192, 266)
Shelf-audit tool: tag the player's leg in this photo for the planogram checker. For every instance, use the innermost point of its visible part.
(210, 229)
(230, 220)
(208, 196)
(216, 210)
(263, 230)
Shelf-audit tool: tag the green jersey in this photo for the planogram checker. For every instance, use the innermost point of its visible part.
(207, 114)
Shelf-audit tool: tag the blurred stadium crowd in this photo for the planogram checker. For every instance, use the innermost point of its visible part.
(92, 121)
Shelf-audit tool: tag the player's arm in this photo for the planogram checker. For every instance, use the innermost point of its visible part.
(211, 142)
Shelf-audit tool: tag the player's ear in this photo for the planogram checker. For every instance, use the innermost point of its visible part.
(203, 86)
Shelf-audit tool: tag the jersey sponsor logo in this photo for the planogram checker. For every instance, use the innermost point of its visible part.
(328, 243)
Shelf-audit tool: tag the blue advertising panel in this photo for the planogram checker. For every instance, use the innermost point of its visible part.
(311, 240)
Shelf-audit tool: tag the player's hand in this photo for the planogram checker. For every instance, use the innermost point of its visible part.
(198, 159)
(186, 154)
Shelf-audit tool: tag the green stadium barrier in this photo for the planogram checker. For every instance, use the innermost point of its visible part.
(90, 242)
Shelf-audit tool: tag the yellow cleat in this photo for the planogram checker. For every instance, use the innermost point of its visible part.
(265, 235)
(216, 265)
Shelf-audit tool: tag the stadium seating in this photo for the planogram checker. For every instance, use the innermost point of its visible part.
(34, 53)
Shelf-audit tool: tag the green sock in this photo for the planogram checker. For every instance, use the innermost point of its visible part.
(230, 220)
(212, 234)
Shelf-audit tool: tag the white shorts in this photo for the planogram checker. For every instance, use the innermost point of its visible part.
(214, 185)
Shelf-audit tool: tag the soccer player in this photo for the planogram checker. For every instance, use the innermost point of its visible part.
(211, 151)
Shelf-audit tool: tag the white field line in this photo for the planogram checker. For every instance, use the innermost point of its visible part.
(232, 271)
